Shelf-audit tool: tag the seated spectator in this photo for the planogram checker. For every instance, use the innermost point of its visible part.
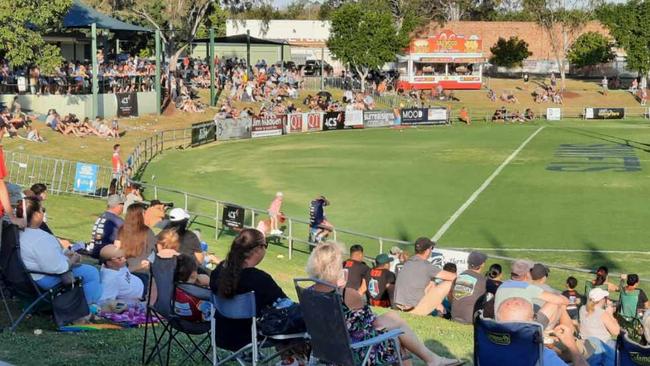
(118, 284)
(529, 115)
(575, 299)
(107, 225)
(133, 194)
(519, 309)
(33, 134)
(154, 214)
(357, 270)
(395, 253)
(468, 289)
(42, 252)
(539, 277)
(494, 278)
(324, 264)
(492, 96)
(632, 291)
(415, 291)
(238, 274)
(381, 285)
(463, 116)
(137, 241)
(190, 244)
(602, 281)
(186, 305)
(597, 319)
(519, 286)
(516, 116)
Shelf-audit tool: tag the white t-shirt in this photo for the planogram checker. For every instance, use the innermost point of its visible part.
(120, 285)
(42, 252)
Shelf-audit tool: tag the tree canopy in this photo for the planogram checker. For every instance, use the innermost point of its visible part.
(590, 49)
(21, 24)
(509, 53)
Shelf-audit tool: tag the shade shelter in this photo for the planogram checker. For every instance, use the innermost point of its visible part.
(81, 15)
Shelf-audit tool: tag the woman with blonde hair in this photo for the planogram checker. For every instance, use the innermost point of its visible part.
(597, 317)
(324, 264)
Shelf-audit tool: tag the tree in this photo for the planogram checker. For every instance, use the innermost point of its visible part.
(627, 23)
(364, 37)
(562, 21)
(216, 18)
(21, 24)
(509, 53)
(590, 49)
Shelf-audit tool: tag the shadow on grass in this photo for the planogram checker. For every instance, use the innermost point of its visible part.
(609, 138)
(597, 258)
(494, 242)
(438, 348)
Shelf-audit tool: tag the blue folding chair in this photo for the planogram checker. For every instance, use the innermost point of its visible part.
(244, 307)
(325, 321)
(501, 343)
(630, 353)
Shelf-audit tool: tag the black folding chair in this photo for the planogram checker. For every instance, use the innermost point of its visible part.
(171, 326)
(325, 321)
(18, 279)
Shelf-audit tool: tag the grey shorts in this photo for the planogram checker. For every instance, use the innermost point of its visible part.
(542, 319)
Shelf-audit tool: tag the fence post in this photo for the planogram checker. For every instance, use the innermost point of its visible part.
(252, 218)
(381, 245)
(155, 192)
(290, 238)
(185, 195)
(216, 222)
(334, 232)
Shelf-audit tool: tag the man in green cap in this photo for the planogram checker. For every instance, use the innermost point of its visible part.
(382, 282)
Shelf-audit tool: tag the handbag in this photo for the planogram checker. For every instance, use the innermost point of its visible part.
(69, 304)
(286, 320)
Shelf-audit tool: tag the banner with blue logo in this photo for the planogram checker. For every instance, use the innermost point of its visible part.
(85, 178)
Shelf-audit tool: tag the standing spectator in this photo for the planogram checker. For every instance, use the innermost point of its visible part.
(394, 253)
(357, 270)
(468, 289)
(604, 84)
(274, 213)
(381, 285)
(463, 116)
(644, 96)
(415, 291)
(117, 281)
(116, 162)
(575, 299)
(107, 225)
(5, 202)
(553, 81)
(190, 243)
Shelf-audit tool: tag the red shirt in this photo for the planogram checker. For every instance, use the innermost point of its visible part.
(3, 174)
(117, 163)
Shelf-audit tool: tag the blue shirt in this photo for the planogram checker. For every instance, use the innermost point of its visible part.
(316, 213)
(551, 358)
(104, 231)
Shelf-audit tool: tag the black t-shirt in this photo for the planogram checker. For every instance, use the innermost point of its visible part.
(233, 334)
(190, 244)
(357, 271)
(491, 286)
(643, 298)
(380, 278)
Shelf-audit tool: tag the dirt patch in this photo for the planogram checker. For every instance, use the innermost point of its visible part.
(570, 95)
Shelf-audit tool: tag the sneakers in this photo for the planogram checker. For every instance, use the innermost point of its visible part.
(276, 232)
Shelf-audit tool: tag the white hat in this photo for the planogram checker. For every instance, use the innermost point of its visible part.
(597, 294)
(178, 214)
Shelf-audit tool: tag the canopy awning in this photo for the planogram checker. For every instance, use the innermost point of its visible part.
(241, 38)
(81, 15)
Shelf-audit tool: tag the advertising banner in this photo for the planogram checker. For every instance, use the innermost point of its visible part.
(295, 123)
(314, 121)
(604, 113)
(373, 119)
(204, 132)
(424, 116)
(553, 114)
(127, 104)
(233, 129)
(233, 217)
(268, 126)
(333, 121)
(441, 256)
(353, 119)
(85, 178)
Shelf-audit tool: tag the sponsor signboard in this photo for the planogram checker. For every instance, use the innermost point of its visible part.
(441, 256)
(354, 119)
(604, 113)
(314, 121)
(424, 116)
(378, 119)
(333, 121)
(295, 122)
(553, 114)
(233, 129)
(127, 104)
(233, 217)
(267, 126)
(204, 132)
(85, 178)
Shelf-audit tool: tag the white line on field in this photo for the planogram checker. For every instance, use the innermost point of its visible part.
(551, 250)
(443, 229)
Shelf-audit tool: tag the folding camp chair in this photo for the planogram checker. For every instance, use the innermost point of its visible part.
(630, 353)
(325, 321)
(244, 307)
(18, 279)
(500, 343)
(171, 326)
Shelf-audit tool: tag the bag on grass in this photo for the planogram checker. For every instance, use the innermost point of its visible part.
(282, 320)
(69, 304)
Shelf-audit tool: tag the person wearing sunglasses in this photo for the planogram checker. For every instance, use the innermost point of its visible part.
(118, 283)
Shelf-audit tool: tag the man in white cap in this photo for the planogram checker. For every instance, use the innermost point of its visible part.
(190, 243)
(106, 226)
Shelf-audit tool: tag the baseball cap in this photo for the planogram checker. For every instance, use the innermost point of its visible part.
(109, 252)
(383, 258)
(178, 214)
(539, 271)
(597, 294)
(396, 250)
(520, 268)
(422, 244)
(476, 259)
(114, 200)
